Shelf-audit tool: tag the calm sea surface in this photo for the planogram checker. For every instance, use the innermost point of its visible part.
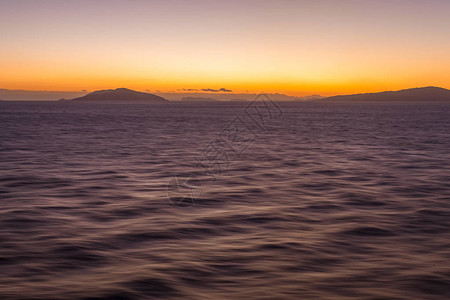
(327, 201)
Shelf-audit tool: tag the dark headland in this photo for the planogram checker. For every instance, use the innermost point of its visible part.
(121, 95)
(429, 94)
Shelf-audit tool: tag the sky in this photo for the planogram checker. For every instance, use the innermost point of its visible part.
(297, 48)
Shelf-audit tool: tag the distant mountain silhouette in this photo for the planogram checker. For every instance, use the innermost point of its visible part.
(203, 99)
(309, 98)
(121, 95)
(430, 94)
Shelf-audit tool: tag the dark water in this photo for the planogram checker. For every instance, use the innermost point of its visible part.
(332, 201)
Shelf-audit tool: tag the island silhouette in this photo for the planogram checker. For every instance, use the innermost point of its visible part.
(428, 94)
(124, 95)
(120, 95)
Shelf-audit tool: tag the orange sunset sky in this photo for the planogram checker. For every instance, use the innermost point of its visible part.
(294, 47)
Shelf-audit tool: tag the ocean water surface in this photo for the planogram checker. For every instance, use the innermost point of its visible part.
(328, 201)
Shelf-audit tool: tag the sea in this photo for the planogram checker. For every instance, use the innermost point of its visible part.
(225, 200)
